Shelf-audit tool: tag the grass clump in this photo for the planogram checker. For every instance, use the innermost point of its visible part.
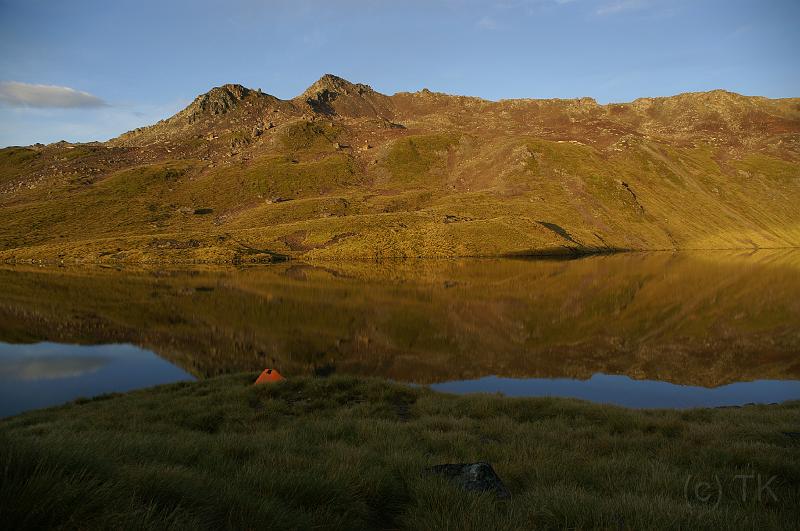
(412, 158)
(78, 152)
(761, 165)
(129, 184)
(282, 177)
(14, 161)
(17, 155)
(572, 158)
(309, 136)
(347, 453)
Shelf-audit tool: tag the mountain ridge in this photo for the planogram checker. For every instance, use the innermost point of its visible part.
(330, 87)
(343, 171)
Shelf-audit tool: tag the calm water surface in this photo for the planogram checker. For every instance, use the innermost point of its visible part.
(640, 330)
(44, 374)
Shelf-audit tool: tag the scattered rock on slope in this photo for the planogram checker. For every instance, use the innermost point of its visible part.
(476, 477)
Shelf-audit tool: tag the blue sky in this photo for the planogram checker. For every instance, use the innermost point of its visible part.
(90, 70)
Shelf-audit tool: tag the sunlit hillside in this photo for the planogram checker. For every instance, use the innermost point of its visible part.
(343, 171)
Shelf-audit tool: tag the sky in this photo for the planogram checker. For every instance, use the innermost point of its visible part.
(83, 70)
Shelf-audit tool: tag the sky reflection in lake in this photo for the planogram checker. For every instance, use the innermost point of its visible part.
(625, 391)
(45, 374)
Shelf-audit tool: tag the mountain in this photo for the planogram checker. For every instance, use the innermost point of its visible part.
(343, 171)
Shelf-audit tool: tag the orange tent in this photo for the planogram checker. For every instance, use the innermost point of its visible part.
(269, 376)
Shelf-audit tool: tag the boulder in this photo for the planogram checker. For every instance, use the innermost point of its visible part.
(477, 477)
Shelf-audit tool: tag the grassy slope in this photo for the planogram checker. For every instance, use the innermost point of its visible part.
(153, 200)
(439, 188)
(342, 453)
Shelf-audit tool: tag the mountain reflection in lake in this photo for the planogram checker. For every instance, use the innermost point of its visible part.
(691, 319)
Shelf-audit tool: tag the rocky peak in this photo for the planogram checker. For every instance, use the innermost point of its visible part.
(335, 85)
(712, 97)
(218, 100)
(211, 112)
(333, 95)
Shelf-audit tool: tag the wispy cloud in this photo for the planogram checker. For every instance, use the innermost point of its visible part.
(506, 4)
(487, 23)
(16, 94)
(50, 367)
(619, 6)
(28, 125)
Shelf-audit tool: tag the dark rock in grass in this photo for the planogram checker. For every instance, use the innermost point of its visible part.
(450, 218)
(203, 211)
(478, 477)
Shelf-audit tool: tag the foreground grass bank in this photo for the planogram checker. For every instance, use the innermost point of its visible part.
(349, 453)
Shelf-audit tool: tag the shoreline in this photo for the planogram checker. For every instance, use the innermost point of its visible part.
(344, 452)
(561, 253)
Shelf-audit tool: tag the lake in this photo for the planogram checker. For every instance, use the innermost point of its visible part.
(669, 330)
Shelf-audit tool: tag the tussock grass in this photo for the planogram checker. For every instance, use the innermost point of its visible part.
(411, 159)
(278, 176)
(424, 193)
(762, 166)
(14, 161)
(310, 136)
(346, 453)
